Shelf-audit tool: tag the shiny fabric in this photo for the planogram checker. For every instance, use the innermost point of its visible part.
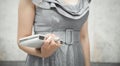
(52, 16)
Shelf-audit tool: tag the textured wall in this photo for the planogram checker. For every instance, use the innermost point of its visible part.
(8, 30)
(105, 14)
(103, 31)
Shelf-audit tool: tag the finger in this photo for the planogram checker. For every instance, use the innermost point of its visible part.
(56, 39)
(47, 35)
(52, 45)
(53, 35)
(47, 42)
(58, 44)
(49, 38)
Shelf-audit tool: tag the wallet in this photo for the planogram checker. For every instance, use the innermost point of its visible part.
(34, 41)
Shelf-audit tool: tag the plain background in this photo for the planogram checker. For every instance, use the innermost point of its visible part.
(104, 31)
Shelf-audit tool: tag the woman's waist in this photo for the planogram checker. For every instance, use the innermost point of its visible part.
(68, 36)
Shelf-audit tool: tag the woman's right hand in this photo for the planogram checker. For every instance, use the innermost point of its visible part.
(49, 46)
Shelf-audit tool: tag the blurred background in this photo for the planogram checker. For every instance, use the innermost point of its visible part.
(104, 33)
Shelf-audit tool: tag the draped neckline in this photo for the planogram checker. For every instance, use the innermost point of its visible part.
(67, 10)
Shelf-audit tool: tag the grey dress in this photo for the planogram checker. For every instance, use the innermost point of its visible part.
(65, 21)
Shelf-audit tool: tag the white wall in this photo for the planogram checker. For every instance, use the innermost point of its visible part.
(104, 31)
(105, 16)
(8, 31)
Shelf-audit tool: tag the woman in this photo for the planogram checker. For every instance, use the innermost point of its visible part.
(66, 19)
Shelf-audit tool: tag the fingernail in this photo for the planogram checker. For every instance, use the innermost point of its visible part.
(49, 38)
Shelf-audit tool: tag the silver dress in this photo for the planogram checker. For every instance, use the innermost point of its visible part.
(65, 21)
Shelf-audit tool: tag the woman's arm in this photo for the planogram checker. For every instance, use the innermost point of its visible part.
(26, 12)
(85, 43)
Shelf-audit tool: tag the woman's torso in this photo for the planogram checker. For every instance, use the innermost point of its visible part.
(65, 24)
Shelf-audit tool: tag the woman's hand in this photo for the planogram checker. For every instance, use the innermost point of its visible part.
(49, 46)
